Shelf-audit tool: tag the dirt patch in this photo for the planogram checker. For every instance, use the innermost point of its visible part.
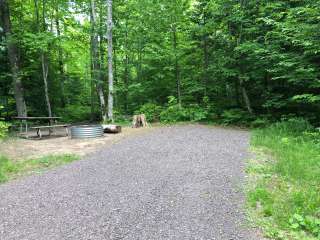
(21, 149)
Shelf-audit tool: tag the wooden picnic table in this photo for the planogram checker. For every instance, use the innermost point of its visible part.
(50, 126)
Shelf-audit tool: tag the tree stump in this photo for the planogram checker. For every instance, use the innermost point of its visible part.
(139, 121)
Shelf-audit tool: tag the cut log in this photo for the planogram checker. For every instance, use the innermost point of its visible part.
(112, 128)
(139, 121)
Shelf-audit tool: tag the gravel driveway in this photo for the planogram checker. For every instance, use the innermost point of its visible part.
(181, 182)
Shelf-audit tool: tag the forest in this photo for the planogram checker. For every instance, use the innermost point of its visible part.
(236, 62)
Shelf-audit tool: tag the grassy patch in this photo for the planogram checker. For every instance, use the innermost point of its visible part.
(10, 170)
(285, 180)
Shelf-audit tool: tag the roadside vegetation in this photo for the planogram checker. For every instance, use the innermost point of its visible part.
(285, 180)
(10, 169)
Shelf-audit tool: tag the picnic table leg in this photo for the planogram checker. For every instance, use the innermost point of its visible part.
(53, 129)
(67, 132)
(26, 122)
(50, 130)
(21, 123)
(39, 133)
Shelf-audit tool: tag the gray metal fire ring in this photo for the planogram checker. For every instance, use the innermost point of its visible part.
(86, 131)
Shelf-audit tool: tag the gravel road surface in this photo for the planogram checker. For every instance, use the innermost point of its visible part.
(182, 182)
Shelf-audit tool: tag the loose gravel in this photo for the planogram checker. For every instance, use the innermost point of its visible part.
(183, 182)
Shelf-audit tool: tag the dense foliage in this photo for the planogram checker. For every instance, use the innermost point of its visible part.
(3, 127)
(221, 59)
(287, 194)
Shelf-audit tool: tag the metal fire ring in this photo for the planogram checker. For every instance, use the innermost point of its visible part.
(86, 131)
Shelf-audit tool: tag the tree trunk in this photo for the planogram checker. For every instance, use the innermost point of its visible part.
(245, 97)
(126, 83)
(44, 64)
(43, 54)
(13, 58)
(126, 71)
(237, 92)
(139, 63)
(60, 61)
(205, 64)
(101, 47)
(91, 69)
(115, 63)
(110, 60)
(115, 76)
(241, 84)
(95, 60)
(177, 67)
(205, 56)
(92, 91)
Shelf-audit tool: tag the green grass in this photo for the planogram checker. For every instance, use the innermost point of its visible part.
(11, 170)
(285, 191)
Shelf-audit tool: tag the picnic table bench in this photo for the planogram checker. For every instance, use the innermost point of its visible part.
(50, 128)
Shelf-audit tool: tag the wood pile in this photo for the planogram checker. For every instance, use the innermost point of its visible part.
(111, 128)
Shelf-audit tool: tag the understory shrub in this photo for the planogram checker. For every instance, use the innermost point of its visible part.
(175, 113)
(3, 126)
(236, 116)
(120, 118)
(75, 113)
(3, 129)
(288, 192)
(260, 122)
(195, 113)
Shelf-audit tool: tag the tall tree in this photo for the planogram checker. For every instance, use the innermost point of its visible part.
(13, 57)
(60, 56)
(176, 62)
(43, 52)
(241, 76)
(110, 61)
(96, 66)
